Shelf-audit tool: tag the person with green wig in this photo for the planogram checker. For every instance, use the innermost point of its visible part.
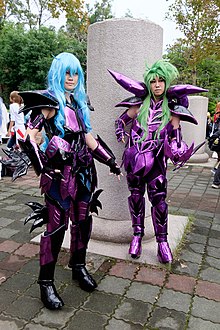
(153, 115)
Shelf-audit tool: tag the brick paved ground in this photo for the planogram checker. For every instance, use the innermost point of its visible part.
(129, 295)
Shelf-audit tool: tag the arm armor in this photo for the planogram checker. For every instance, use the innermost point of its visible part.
(120, 124)
(104, 155)
(36, 156)
(176, 149)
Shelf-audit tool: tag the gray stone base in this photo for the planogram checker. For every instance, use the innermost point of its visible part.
(176, 229)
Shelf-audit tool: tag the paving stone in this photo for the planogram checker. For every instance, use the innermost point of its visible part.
(7, 298)
(177, 301)
(214, 242)
(73, 296)
(9, 323)
(181, 283)
(7, 232)
(111, 285)
(102, 302)
(149, 275)
(124, 269)
(4, 275)
(106, 266)
(208, 290)
(213, 251)
(28, 250)
(186, 267)
(212, 262)
(115, 324)
(144, 292)
(165, 319)
(31, 267)
(18, 283)
(197, 248)
(83, 318)
(4, 222)
(34, 326)
(206, 309)
(196, 238)
(25, 311)
(54, 319)
(9, 246)
(196, 323)
(191, 256)
(13, 263)
(3, 255)
(210, 274)
(134, 311)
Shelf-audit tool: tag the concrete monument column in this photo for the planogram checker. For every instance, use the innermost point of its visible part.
(198, 105)
(123, 45)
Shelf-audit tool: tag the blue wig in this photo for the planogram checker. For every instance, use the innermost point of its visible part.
(62, 63)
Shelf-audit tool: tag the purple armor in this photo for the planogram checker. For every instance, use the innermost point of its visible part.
(68, 181)
(145, 158)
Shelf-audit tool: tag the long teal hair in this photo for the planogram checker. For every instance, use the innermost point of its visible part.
(62, 63)
(168, 72)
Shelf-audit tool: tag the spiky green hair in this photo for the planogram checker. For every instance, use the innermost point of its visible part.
(168, 72)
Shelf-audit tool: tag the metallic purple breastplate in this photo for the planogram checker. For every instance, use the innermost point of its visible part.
(72, 120)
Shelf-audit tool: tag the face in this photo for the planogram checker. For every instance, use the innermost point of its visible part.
(157, 87)
(70, 81)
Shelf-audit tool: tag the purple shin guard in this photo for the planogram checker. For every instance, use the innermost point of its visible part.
(160, 217)
(137, 209)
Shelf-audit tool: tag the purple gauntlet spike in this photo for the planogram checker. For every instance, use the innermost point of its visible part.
(105, 156)
(136, 87)
(120, 124)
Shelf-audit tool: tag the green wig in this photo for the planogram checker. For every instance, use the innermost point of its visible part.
(168, 72)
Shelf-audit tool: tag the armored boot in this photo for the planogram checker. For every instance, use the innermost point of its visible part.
(80, 231)
(137, 210)
(160, 218)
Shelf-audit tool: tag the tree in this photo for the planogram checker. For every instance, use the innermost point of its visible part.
(208, 71)
(26, 56)
(35, 13)
(199, 22)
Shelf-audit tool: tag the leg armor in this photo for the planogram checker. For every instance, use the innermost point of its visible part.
(50, 246)
(157, 189)
(136, 202)
(80, 234)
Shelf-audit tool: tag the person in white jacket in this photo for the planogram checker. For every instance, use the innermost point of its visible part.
(16, 119)
(4, 120)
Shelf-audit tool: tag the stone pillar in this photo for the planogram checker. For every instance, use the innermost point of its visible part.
(198, 105)
(124, 45)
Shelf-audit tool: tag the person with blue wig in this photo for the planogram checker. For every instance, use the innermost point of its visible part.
(65, 162)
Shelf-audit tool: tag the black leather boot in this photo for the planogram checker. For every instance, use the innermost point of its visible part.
(81, 274)
(49, 295)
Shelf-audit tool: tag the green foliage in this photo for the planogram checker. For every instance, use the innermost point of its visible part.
(26, 56)
(208, 71)
(100, 12)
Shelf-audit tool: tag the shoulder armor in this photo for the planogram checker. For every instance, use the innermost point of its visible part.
(184, 114)
(37, 100)
(130, 101)
(138, 88)
(181, 90)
